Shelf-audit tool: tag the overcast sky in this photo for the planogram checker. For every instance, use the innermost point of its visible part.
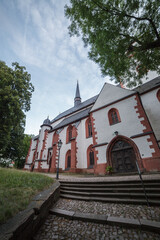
(34, 33)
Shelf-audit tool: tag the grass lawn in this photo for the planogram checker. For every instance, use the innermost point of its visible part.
(17, 188)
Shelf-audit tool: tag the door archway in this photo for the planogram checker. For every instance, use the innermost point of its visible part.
(68, 160)
(122, 154)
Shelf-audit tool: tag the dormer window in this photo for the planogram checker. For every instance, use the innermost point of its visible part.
(113, 116)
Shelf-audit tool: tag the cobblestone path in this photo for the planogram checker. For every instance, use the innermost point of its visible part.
(111, 209)
(61, 228)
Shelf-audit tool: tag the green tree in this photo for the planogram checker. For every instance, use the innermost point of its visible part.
(22, 151)
(123, 35)
(15, 99)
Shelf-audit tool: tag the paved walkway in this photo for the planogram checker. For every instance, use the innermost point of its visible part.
(110, 209)
(107, 178)
(61, 228)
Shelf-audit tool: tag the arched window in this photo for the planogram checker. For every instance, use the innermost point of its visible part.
(69, 134)
(158, 95)
(113, 116)
(90, 157)
(88, 128)
(68, 160)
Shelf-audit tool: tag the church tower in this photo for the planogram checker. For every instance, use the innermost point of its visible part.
(77, 99)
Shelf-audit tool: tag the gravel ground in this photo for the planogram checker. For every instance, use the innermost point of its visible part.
(61, 228)
(110, 209)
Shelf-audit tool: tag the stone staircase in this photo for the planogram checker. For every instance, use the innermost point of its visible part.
(128, 192)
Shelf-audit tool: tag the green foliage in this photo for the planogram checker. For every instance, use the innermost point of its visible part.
(23, 151)
(109, 169)
(17, 189)
(123, 35)
(15, 99)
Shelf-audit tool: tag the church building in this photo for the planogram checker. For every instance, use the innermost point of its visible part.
(118, 128)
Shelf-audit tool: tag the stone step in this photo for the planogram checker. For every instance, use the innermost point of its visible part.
(106, 189)
(140, 224)
(109, 185)
(113, 195)
(112, 181)
(111, 200)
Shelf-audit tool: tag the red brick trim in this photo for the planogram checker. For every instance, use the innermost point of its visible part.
(54, 152)
(110, 116)
(44, 143)
(101, 169)
(68, 153)
(34, 156)
(100, 145)
(158, 95)
(94, 133)
(89, 149)
(74, 148)
(141, 112)
(145, 122)
(86, 127)
(43, 147)
(67, 133)
(151, 164)
(29, 151)
(129, 141)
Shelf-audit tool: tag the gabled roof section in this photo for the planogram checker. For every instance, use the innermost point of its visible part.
(148, 86)
(110, 94)
(74, 118)
(76, 108)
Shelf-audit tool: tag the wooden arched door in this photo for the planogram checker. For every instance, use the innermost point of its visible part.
(123, 157)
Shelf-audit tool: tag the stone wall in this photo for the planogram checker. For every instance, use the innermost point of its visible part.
(26, 223)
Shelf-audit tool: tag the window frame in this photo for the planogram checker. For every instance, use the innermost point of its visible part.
(89, 128)
(113, 116)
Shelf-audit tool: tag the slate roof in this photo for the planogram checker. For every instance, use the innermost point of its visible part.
(35, 137)
(77, 91)
(76, 108)
(148, 85)
(74, 118)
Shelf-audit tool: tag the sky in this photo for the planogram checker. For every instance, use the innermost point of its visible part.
(35, 34)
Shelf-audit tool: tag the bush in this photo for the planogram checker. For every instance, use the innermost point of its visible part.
(109, 169)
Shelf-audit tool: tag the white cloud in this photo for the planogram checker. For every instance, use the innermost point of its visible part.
(38, 36)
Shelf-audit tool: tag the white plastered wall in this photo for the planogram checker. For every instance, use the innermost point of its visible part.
(82, 144)
(109, 94)
(33, 146)
(152, 107)
(65, 147)
(130, 125)
(48, 145)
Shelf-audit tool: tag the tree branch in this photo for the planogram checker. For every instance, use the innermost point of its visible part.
(117, 12)
(131, 37)
(151, 45)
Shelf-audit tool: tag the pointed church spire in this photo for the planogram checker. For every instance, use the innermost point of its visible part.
(77, 99)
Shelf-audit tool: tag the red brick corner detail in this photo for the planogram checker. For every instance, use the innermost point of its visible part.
(145, 122)
(28, 152)
(54, 152)
(94, 133)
